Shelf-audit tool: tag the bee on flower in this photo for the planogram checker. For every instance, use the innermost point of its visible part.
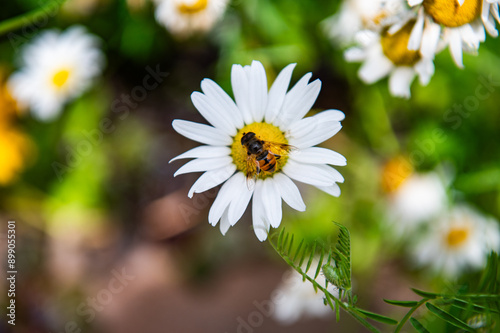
(56, 67)
(458, 240)
(186, 17)
(258, 143)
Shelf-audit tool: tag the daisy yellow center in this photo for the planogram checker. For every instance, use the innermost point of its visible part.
(264, 132)
(394, 174)
(193, 8)
(60, 78)
(395, 46)
(457, 236)
(449, 12)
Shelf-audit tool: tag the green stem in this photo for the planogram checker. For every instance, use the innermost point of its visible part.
(346, 307)
(24, 19)
(408, 315)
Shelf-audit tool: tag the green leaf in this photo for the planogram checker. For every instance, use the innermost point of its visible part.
(448, 317)
(298, 250)
(311, 257)
(425, 294)
(406, 304)
(418, 326)
(320, 261)
(378, 317)
(467, 305)
(280, 239)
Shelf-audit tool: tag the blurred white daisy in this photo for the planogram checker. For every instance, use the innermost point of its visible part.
(461, 239)
(56, 68)
(386, 54)
(413, 198)
(185, 17)
(460, 23)
(273, 116)
(356, 15)
(295, 298)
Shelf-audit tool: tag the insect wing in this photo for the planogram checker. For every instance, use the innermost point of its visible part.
(276, 148)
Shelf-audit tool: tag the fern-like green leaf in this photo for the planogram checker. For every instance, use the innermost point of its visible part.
(446, 316)
(418, 326)
(406, 304)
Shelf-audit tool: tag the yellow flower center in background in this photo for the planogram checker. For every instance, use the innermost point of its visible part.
(449, 12)
(394, 174)
(457, 236)
(264, 132)
(60, 78)
(395, 46)
(193, 8)
(15, 148)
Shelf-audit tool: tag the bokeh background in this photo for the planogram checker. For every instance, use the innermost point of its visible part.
(117, 208)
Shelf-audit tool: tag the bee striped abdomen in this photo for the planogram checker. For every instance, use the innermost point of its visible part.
(267, 162)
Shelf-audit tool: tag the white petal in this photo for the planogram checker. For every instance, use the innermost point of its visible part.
(313, 130)
(240, 201)
(354, 54)
(415, 39)
(201, 133)
(228, 191)
(260, 225)
(425, 70)
(212, 114)
(375, 68)
(239, 82)
(412, 3)
(204, 152)
(460, 2)
(455, 41)
(308, 173)
(299, 86)
(333, 173)
(298, 102)
(224, 223)
(332, 189)
(430, 39)
(222, 101)
(277, 93)
(470, 40)
(289, 192)
(317, 155)
(400, 81)
(272, 202)
(211, 179)
(204, 164)
(258, 90)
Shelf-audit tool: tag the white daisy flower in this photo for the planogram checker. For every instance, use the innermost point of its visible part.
(460, 23)
(185, 17)
(56, 68)
(356, 15)
(413, 198)
(386, 54)
(273, 116)
(461, 239)
(295, 298)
